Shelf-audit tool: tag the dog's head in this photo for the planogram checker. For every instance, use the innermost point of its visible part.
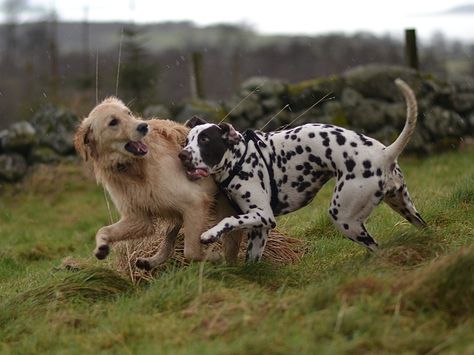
(206, 146)
(112, 132)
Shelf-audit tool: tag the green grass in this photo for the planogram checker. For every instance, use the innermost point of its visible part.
(416, 295)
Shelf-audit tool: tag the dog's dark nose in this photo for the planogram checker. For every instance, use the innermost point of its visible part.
(185, 156)
(142, 128)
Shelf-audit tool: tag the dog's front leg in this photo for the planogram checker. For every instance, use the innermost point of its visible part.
(257, 218)
(126, 228)
(256, 244)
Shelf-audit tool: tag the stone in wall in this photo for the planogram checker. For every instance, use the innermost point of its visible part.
(13, 167)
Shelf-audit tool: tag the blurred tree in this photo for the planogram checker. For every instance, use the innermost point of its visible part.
(137, 72)
(233, 39)
(11, 10)
(53, 54)
(470, 56)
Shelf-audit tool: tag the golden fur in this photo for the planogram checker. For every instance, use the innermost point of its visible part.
(150, 188)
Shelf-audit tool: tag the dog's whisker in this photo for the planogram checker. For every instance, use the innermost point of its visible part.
(111, 219)
(118, 63)
(130, 268)
(274, 116)
(131, 102)
(309, 109)
(97, 77)
(240, 102)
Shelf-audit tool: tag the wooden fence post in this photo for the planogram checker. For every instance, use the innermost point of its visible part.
(411, 51)
(197, 79)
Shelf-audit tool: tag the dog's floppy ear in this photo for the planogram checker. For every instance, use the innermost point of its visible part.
(84, 141)
(229, 133)
(194, 121)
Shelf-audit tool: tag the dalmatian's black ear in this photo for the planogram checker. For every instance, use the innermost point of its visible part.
(194, 121)
(229, 133)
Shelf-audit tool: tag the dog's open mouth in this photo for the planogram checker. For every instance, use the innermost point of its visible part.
(197, 173)
(136, 148)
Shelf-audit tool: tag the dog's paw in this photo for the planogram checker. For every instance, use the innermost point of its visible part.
(212, 256)
(143, 264)
(208, 237)
(102, 252)
(373, 248)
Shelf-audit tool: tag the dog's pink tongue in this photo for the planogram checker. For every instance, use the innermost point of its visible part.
(199, 173)
(141, 147)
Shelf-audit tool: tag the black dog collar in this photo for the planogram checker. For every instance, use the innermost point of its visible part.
(250, 135)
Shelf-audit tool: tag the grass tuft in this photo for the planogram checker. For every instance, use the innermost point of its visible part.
(464, 192)
(410, 248)
(36, 253)
(85, 286)
(174, 289)
(88, 285)
(447, 285)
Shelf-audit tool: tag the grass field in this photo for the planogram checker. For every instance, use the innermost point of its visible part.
(415, 296)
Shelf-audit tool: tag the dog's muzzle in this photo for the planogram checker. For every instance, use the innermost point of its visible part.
(194, 173)
(137, 148)
(186, 158)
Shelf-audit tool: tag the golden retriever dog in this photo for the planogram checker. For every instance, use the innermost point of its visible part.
(137, 162)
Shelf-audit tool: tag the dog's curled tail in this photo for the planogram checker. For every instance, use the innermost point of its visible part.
(394, 150)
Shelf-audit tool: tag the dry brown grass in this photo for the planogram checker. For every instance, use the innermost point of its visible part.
(405, 256)
(280, 249)
(359, 287)
(410, 249)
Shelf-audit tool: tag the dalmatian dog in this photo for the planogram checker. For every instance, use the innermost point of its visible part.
(271, 174)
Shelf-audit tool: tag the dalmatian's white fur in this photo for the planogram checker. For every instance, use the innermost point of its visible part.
(271, 174)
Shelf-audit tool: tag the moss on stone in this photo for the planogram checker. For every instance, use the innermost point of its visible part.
(298, 88)
(340, 119)
(211, 110)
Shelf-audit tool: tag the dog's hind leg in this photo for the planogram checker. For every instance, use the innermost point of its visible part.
(257, 239)
(351, 205)
(357, 232)
(164, 253)
(231, 245)
(231, 240)
(399, 200)
(196, 219)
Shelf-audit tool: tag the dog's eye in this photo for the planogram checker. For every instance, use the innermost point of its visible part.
(129, 113)
(204, 139)
(114, 121)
